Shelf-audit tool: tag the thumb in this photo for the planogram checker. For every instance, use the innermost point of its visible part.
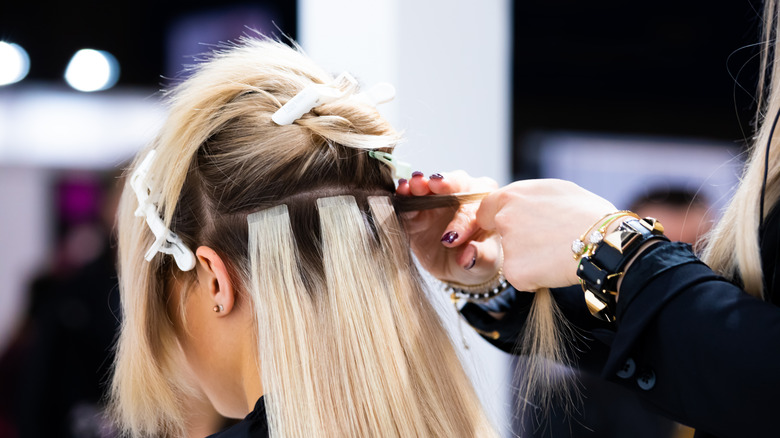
(485, 216)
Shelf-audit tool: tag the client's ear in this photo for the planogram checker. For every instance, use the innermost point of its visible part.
(214, 279)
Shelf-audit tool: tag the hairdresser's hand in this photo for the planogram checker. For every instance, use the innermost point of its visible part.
(447, 241)
(537, 221)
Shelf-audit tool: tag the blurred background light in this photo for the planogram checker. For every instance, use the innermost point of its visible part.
(14, 63)
(92, 70)
(61, 128)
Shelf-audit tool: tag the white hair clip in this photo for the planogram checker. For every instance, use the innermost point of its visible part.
(400, 168)
(166, 241)
(320, 94)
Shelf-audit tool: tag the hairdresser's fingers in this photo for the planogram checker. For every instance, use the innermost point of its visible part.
(446, 183)
(438, 184)
(458, 181)
(418, 185)
(463, 225)
(434, 184)
(527, 215)
(537, 221)
(504, 211)
(403, 188)
(477, 261)
(485, 216)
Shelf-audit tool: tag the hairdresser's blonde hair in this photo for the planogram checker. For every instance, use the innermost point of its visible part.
(732, 247)
(348, 344)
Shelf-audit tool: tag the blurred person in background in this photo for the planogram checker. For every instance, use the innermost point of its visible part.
(685, 214)
(57, 366)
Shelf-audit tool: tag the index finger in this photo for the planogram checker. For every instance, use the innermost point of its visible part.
(448, 183)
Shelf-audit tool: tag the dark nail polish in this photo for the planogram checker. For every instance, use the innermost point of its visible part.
(437, 176)
(402, 181)
(473, 262)
(449, 237)
(417, 173)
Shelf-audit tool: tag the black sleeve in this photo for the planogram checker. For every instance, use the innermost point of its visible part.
(502, 333)
(690, 343)
(696, 346)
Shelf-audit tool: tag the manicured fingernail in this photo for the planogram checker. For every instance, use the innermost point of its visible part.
(417, 173)
(449, 237)
(402, 181)
(473, 262)
(437, 176)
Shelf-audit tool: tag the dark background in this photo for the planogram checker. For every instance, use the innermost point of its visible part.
(669, 68)
(666, 67)
(135, 32)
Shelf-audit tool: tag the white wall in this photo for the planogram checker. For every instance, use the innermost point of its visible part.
(450, 64)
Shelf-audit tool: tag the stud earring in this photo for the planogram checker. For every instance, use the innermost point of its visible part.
(218, 308)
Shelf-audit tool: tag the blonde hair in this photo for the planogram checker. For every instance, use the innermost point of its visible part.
(348, 344)
(732, 247)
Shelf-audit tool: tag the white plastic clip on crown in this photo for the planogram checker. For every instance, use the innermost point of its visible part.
(313, 96)
(320, 94)
(166, 241)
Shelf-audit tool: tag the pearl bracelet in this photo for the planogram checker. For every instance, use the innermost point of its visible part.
(479, 292)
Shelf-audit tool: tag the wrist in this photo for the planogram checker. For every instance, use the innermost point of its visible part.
(588, 241)
(601, 271)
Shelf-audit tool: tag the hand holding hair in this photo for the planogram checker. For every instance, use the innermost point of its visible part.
(537, 221)
(533, 224)
(447, 241)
